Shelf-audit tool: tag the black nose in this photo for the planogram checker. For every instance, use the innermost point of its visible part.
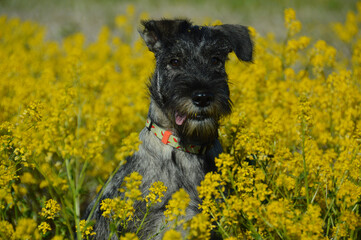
(202, 99)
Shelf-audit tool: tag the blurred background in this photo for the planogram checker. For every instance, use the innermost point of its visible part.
(65, 17)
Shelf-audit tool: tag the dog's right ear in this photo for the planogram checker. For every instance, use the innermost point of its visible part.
(240, 41)
(156, 32)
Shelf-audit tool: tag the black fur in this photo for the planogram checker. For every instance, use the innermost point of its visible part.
(189, 82)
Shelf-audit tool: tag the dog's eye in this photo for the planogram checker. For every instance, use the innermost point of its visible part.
(215, 61)
(175, 62)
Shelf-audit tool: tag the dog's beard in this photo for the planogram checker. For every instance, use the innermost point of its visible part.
(199, 131)
(197, 126)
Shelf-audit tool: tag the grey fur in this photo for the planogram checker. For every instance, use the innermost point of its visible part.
(189, 80)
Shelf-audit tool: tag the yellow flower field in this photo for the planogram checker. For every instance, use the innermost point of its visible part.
(70, 112)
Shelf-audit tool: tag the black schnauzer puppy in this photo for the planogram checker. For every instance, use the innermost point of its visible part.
(189, 94)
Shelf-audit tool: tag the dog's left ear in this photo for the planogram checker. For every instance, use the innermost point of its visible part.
(239, 39)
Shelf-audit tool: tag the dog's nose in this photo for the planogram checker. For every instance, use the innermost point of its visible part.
(202, 99)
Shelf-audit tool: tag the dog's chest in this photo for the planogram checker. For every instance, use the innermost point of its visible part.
(176, 169)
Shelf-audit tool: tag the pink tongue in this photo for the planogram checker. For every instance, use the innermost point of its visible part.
(179, 119)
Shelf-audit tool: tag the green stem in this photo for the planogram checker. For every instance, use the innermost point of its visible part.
(102, 190)
(76, 185)
(304, 161)
(75, 199)
(143, 220)
(220, 226)
(82, 173)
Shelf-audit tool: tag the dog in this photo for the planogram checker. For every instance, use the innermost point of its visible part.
(189, 94)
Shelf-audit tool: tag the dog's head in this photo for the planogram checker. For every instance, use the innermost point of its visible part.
(190, 82)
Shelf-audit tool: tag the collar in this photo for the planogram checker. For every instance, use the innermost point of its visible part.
(168, 138)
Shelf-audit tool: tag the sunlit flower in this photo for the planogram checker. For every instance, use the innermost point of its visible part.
(71, 113)
(26, 229)
(86, 230)
(51, 209)
(6, 230)
(199, 227)
(44, 227)
(172, 235)
(176, 207)
(129, 236)
(156, 192)
(292, 24)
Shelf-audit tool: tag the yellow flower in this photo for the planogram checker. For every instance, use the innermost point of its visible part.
(7, 174)
(216, 22)
(144, 16)
(346, 32)
(117, 208)
(351, 219)
(292, 48)
(129, 145)
(285, 181)
(44, 227)
(28, 178)
(312, 223)
(252, 32)
(130, 10)
(86, 230)
(172, 235)
(130, 187)
(107, 205)
(121, 20)
(289, 15)
(340, 230)
(156, 192)
(296, 117)
(121, 208)
(210, 191)
(349, 193)
(51, 209)
(57, 237)
(176, 207)
(322, 55)
(199, 227)
(129, 236)
(279, 215)
(231, 238)
(250, 206)
(292, 25)
(6, 230)
(262, 190)
(26, 229)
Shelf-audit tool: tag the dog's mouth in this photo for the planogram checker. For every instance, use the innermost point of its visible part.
(180, 118)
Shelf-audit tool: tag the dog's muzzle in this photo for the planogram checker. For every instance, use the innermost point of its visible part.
(202, 99)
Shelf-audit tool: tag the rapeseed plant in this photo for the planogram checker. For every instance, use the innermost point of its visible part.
(291, 162)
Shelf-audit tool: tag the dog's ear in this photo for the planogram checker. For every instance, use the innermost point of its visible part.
(239, 40)
(155, 32)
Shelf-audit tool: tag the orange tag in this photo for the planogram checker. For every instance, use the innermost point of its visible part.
(166, 136)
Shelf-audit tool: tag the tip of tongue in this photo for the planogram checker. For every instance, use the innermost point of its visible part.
(179, 119)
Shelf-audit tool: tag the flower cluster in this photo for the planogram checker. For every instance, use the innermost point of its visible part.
(121, 208)
(86, 230)
(291, 154)
(71, 110)
(176, 207)
(156, 192)
(44, 227)
(51, 209)
(292, 25)
(26, 229)
(199, 227)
